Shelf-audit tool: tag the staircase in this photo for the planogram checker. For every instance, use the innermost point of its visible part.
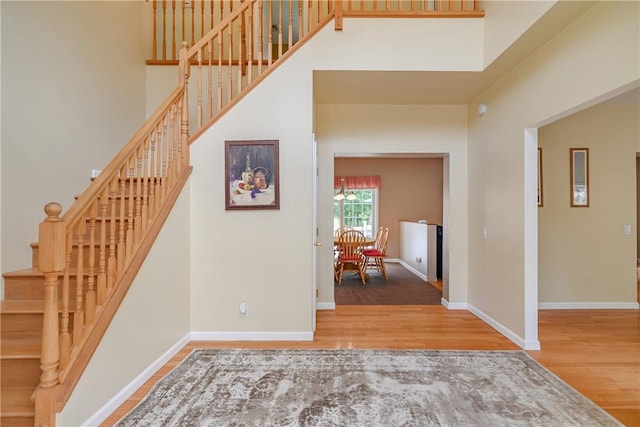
(56, 311)
(22, 316)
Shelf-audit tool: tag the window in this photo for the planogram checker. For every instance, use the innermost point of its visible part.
(361, 213)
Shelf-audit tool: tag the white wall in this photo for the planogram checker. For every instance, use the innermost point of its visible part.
(505, 21)
(597, 55)
(265, 260)
(585, 259)
(358, 129)
(153, 317)
(73, 80)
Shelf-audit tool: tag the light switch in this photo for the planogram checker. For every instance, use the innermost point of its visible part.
(484, 232)
(627, 229)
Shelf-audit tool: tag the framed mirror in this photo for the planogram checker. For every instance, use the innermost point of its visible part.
(579, 177)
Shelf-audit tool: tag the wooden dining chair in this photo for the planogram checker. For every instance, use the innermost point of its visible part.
(375, 257)
(377, 238)
(350, 258)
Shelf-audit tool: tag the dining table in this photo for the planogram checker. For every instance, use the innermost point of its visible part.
(369, 241)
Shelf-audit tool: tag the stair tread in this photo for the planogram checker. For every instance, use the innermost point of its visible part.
(25, 272)
(21, 345)
(22, 306)
(35, 272)
(75, 243)
(16, 401)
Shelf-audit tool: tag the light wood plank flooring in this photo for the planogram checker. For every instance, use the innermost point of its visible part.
(595, 351)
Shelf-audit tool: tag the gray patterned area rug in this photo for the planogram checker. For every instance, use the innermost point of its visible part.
(241, 387)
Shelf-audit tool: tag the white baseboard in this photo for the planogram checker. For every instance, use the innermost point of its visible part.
(124, 394)
(518, 340)
(454, 305)
(413, 270)
(588, 306)
(326, 306)
(251, 336)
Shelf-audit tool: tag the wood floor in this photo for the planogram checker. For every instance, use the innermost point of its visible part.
(596, 351)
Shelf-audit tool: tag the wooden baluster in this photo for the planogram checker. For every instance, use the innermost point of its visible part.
(184, 22)
(184, 122)
(210, 80)
(154, 175)
(102, 254)
(202, 31)
(174, 36)
(290, 26)
(164, 30)
(91, 283)
(279, 28)
(137, 220)
(260, 37)
(112, 266)
(51, 260)
(211, 14)
(145, 186)
(173, 141)
(166, 152)
(221, 17)
(193, 23)
(158, 163)
(230, 64)
(79, 315)
(131, 204)
(199, 98)
(65, 337)
(183, 147)
(300, 21)
(154, 43)
(309, 13)
(476, 5)
(242, 51)
(220, 70)
(122, 242)
(270, 36)
(338, 18)
(162, 158)
(250, 52)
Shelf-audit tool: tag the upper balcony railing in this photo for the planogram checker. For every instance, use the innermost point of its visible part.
(175, 21)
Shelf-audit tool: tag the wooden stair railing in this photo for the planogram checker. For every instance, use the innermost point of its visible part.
(105, 235)
(107, 231)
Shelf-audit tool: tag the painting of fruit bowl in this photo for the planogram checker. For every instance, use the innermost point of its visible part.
(251, 175)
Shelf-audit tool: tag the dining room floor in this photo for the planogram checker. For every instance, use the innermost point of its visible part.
(402, 287)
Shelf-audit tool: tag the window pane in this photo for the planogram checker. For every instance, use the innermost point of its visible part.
(360, 213)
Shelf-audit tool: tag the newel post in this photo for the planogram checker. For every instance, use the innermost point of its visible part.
(51, 256)
(184, 70)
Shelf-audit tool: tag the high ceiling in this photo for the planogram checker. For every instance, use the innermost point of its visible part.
(436, 87)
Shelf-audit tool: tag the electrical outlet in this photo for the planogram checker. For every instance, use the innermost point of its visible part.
(627, 229)
(244, 309)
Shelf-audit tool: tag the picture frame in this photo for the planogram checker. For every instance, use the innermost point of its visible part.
(579, 187)
(540, 192)
(252, 180)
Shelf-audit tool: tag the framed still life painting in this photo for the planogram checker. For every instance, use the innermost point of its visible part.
(251, 175)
